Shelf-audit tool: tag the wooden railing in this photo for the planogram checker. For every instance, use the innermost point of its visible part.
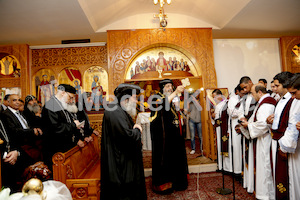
(79, 169)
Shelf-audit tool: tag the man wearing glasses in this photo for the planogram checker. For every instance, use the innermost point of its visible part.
(60, 129)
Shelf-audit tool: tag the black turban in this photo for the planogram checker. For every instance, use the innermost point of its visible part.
(67, 88)
(126, 89)
(164, 82)
(29, 98)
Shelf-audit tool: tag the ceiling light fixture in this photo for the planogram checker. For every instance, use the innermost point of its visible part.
(162, 2)
(162, 16)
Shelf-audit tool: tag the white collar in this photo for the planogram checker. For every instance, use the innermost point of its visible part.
(12, 110)
(263, 97)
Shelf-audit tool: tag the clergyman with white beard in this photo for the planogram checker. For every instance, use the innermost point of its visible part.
(122, 171)
(60, 130)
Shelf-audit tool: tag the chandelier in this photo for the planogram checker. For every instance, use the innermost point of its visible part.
(162, 16)
(161, 2)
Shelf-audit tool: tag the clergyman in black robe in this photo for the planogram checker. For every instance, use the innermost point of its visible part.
(60, 130)
(122, 171)
(169, 160)
(31, 110)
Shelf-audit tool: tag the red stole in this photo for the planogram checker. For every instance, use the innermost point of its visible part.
(250, 112)
(223, 123)
(281, 162)
(268, 100)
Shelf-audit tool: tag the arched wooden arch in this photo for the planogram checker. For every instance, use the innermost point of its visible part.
(123, 45)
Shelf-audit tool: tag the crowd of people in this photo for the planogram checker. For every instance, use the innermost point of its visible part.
(256, 129)
(257, 135)
(31, 134)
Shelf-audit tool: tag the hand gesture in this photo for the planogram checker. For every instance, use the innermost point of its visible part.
(244, 122)
(298, 126)
(270, 119)
(88, 139)
(138, 127)
(179, 89)
(96, 132)
(78, 124)
(37, 131)
(80, 143)
(237, 128)
(11, 157)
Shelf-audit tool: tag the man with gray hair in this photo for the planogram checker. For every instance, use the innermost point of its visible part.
(122, 171)
(60, 130)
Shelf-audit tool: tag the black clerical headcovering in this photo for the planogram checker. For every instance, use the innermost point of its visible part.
(29, 98)
(164, 82)
(67, 88)
(126, 88)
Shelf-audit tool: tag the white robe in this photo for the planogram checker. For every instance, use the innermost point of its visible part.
(278, 110)
(289, 143)
(218, 112)
(264, 184)
(233, 114)
(248, 176)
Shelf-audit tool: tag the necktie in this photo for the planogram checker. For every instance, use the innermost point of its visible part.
(23, 121)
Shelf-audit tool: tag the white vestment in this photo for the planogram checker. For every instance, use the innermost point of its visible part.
(248, 181)
(289, 143)
(233, 114)
(278, 110)
(218, 112)
(264, 184)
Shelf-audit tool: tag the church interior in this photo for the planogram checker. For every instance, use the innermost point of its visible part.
(104, 43)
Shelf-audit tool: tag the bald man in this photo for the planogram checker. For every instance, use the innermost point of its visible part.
(260, 134)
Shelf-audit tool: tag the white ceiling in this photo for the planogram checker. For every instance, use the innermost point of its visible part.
(44, 22)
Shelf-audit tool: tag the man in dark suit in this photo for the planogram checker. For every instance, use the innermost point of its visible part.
(18, 133)
(10, 160)
(4, 105)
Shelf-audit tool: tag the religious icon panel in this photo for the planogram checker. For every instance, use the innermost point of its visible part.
(71, 76)
(96, 86)
(9, 66)
(161, 59)
(44, 85)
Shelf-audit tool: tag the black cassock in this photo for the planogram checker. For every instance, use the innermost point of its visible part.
(169, 160)
(60, 133)
(122, 171)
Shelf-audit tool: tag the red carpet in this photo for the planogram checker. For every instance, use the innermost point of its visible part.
(207, 184)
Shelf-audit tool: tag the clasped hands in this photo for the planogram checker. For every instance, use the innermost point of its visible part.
(11, 157)
(243, 123)
(37, 131)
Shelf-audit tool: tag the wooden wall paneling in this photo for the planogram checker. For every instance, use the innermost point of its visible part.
(286, 45)
(59, 58)
(124, 45)
(21, 52)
